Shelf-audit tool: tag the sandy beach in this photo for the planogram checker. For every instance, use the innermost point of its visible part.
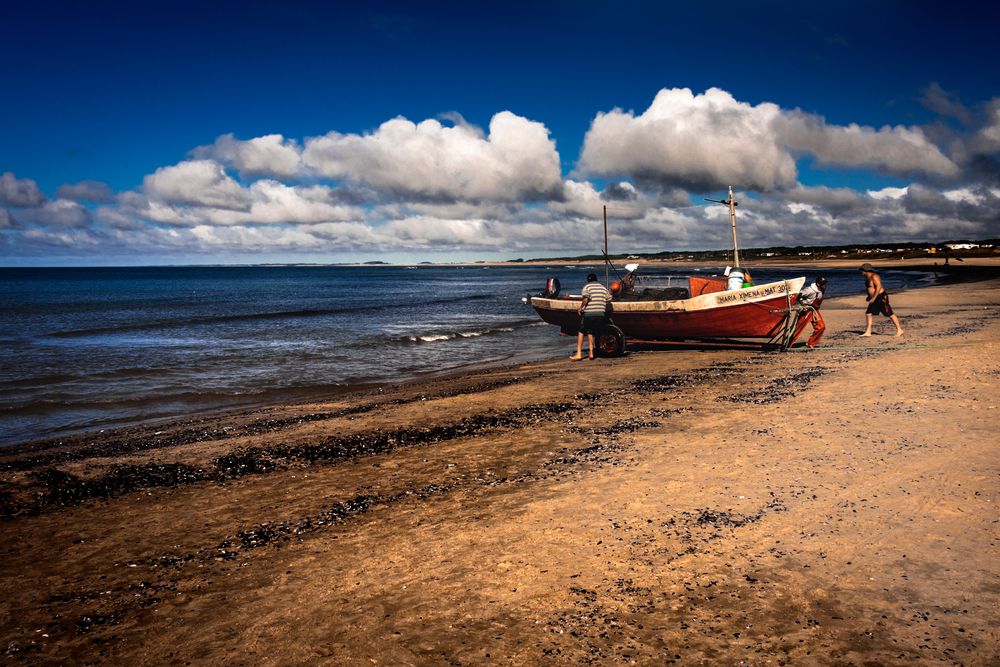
(829, 506)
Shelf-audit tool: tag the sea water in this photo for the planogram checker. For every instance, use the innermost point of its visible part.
(90, 348)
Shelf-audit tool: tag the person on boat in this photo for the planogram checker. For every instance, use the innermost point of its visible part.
(626, 285)
(628, 282)
(747, 280)
(812, 297)
(878, 300)
(735, 278)
(593, 315)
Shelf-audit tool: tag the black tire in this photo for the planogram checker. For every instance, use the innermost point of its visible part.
(610, 342)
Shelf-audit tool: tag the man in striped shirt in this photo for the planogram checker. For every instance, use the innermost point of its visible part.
(593, 315)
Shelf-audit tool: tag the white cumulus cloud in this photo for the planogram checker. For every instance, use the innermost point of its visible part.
(428, 160)
(581, 198)
(57, 213)
(694, 141)
(437, 233)
(836, 201)
(987, 139)
(887, 193)
(710, 140)
(196, 183)
(264, 202)
(19, 192)
(894, 150)
(271, 155)
(294, 238)
(86, 190)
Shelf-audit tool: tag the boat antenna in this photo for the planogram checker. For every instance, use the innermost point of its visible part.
(607, 259)
(732, 204)
(607, 263)
(607, 277)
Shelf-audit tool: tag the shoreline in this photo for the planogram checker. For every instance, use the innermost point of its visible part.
(690, 507)
(302, 397)
(195, 419)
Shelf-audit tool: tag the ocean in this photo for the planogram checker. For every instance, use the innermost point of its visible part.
(92, 348)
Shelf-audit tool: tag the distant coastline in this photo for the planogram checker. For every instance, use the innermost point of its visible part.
(967, 268)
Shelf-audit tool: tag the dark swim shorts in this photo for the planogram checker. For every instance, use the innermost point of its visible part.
(880, 305)
(592, 323)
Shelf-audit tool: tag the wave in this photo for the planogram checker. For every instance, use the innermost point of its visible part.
(268, 315)
(439, 336)
(38, 381)
(433, 338)
(57, 379)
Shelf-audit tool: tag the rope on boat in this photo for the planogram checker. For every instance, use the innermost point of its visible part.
(787, 340)
(785, 336)
(782, 337)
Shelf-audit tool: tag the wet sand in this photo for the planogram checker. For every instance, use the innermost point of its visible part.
(830, 506)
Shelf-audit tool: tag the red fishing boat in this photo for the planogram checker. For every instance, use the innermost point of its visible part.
(706, 309)
(714, 314)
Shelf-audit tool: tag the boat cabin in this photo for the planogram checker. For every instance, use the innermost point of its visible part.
(667, 288)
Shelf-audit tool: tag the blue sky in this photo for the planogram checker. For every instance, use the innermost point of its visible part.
(835, 121)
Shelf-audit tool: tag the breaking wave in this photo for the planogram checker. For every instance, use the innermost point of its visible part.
(439, 336)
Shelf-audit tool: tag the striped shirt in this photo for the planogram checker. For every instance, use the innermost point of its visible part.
(599, 297)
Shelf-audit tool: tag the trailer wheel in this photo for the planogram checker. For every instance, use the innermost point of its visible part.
(610, 342)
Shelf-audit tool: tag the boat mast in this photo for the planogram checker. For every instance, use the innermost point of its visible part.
(732, 221)
(732, 204)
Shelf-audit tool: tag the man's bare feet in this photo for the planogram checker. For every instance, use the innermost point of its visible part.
(899, 332)
(576, 357)
(866, 335)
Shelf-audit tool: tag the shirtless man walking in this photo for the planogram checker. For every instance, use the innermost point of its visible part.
(879, 300)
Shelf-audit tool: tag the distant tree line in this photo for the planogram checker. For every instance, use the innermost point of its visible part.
(987, 247)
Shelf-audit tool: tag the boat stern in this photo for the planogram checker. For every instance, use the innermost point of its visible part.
(561, 312)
